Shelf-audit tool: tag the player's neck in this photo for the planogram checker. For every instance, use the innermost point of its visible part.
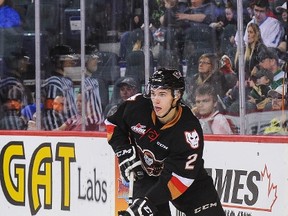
(169, 117)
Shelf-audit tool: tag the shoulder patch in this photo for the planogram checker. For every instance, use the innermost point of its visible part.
(192, 138)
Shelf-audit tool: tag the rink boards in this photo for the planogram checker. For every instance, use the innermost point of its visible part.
(75, 173)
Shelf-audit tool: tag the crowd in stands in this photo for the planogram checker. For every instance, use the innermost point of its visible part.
(197, 37)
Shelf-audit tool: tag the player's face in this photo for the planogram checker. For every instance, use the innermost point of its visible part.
(205, 105)
(162, 101)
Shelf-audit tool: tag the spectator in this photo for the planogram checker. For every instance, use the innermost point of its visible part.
(136, 62)
(138, 13)
(283, 19)
(283, 12)
(124, 88)
(128, 38)
(268, 59)
(226, 68)
(206, 103)
(169, 17)
(9, 17)
(226, 27)
(182, 5)
(279, 98)
(197, 36)
(63, 57)
(255, 103)
(229, 18)
(75, 122)
(250, 12)
(208, 72)
(270, 28)
(259, 85)
(28, 112)
(199, 12)
(169, 24)
(231, 101)
(55, 117)
(253, 47)
(279, 124)
(169, 36)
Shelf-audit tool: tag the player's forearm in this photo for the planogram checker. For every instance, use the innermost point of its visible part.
(191, 17)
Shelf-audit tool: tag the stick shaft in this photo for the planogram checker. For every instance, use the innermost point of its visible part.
(130, 193)
(131, 186)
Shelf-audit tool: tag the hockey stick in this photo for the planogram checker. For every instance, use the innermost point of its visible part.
(130, 193)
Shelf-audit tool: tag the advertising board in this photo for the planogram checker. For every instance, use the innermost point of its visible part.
(60, 174)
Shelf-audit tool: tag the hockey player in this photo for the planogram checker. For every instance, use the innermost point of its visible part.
(158, 138)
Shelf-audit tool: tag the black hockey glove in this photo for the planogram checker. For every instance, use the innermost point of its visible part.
(140, 207)
(129, 161)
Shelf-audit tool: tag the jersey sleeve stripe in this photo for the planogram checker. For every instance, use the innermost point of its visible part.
(178, 185)
(110, 129)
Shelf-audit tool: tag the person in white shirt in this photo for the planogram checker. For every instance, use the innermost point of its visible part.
(206, 110)
(271, 29)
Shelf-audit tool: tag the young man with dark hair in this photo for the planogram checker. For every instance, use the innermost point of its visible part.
(270, 28)
(206, 109)
(158, 138)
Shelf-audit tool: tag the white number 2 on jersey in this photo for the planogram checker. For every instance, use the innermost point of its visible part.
(190, 163)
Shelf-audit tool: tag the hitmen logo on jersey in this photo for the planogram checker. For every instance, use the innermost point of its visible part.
(150, 164)
(140, 129)
(192, 138)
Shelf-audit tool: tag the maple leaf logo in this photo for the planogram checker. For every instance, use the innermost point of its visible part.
(269, 190)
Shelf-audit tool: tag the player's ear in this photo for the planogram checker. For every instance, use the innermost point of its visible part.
(177, 94)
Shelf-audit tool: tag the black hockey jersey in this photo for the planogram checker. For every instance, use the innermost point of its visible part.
(172, 151)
